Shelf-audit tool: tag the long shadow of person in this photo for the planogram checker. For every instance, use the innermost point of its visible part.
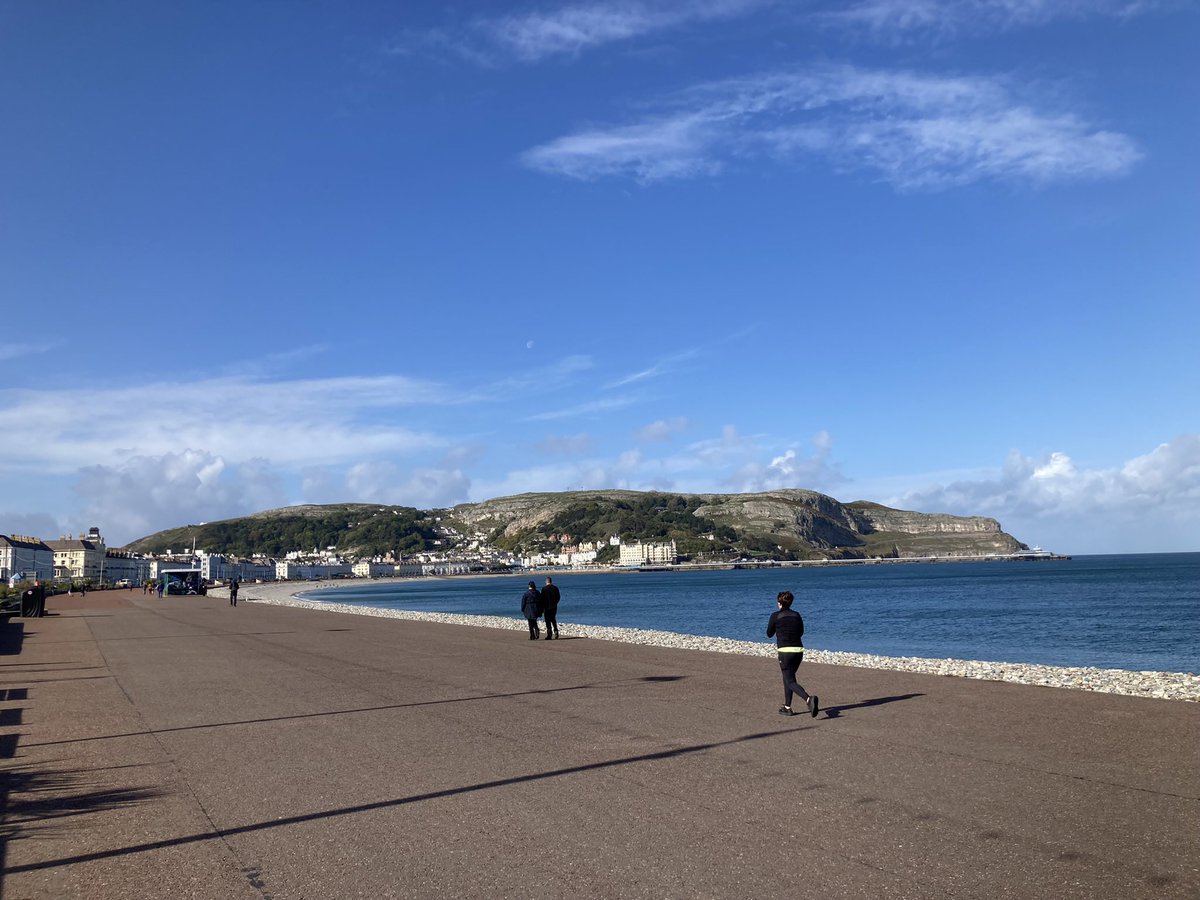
(833, 712)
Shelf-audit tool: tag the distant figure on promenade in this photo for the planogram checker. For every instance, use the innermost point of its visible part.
(158, 588)
(550, 608)
(233, 589)
(531, 602)
(145, 587)
(787, 627)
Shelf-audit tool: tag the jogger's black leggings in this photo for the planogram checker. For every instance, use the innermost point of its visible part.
(788, 664)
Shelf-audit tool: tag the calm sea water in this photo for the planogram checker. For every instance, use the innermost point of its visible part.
(1139, 612)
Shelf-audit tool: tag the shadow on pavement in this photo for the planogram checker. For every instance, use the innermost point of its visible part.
(357, 709)
(674, 753)
(833, 712)
(12, 635)
(33, 803)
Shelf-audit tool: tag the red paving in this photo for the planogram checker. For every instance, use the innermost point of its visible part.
(182, 748)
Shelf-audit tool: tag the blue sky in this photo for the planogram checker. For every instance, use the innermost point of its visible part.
(939, 254)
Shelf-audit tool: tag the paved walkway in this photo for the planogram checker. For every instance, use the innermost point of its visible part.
(183, 748)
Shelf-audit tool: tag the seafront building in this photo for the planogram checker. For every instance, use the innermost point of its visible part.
(25, 556)
(368, 569)
(121, 565)
(288, 570)
(79, 558)
(652, 553)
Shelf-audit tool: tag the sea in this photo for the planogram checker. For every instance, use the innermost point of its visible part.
(1139, 612)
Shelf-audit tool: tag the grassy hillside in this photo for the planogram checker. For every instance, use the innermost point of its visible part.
(362, 529)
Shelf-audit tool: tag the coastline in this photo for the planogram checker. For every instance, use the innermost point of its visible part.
(1157, 685)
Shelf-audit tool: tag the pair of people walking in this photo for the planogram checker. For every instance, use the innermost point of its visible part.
(537, 604)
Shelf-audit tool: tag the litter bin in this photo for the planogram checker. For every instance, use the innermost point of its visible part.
(33, 602)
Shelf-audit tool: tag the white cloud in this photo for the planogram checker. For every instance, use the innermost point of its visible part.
(728, 463)
(664, 366)
(625, 471)
(570, 30)
(1150, 502)
(424, 488)
(661, 430)
(888, 18)
(587, 408)
(145, 494)
(296, 423)
(914, 131)
(789, 470)
(15, 351)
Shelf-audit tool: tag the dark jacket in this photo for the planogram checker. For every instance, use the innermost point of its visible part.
(550, 598)
(787, 627)
(531, 603)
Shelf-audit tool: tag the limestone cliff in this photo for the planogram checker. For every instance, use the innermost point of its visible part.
(791, 523)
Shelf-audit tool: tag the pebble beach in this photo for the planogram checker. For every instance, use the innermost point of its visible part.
(1158, 685)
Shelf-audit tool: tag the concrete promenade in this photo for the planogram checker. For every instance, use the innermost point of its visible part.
(182, 748)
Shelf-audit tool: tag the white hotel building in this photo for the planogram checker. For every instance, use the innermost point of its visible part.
(654, 553)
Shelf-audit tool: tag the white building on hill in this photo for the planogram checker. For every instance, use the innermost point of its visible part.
(652, 553)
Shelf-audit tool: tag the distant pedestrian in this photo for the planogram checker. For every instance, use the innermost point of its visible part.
(158, 588)
(145, 587)
(787, 627)
(550, 608)
(531, 602)
(233, 589)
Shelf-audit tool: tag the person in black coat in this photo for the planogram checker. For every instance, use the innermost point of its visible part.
(531, 606)
(550, 608)
(787, 627)
(233, 589)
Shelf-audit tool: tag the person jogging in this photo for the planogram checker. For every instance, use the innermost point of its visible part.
(787, 627)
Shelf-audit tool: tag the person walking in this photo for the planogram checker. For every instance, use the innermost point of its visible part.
(550, 598)
(531, 602)
(787, 627)
(233, 589)
(158, 588)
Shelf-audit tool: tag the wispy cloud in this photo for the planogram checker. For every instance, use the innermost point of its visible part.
(567, 30)
(891, 19)
(589, 407)
(661, 430)
(662, 367)
(15, 351)
(914, 131)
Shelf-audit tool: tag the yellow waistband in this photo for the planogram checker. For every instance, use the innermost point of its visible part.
(790, 649)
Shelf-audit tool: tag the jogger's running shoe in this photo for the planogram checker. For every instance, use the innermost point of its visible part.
(814, 705)
(786, 711)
